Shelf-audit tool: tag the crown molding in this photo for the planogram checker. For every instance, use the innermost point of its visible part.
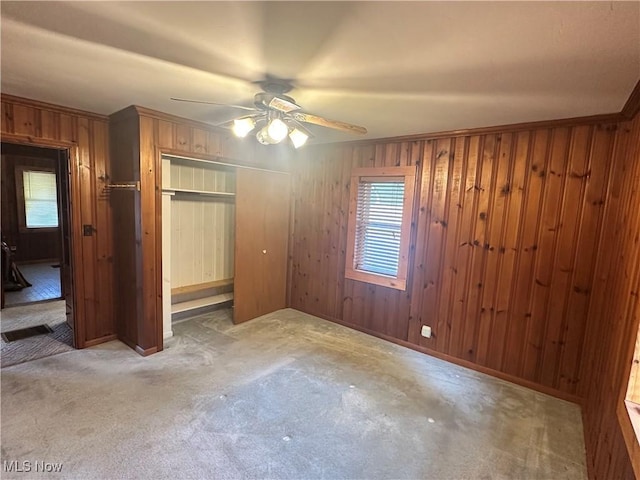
(632, 107)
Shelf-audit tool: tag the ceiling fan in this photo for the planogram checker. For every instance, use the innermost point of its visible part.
(277, 115)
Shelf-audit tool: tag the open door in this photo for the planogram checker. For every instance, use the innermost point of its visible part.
(262, 232)
(64, 216)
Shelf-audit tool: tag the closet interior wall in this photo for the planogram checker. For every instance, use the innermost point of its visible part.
(198, 235)
(202, 224)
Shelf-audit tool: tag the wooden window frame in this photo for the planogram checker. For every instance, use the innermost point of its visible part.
(399, 282)
(628, 411)
(22, 214)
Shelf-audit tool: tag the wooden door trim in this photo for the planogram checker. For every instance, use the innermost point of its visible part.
(77, 279)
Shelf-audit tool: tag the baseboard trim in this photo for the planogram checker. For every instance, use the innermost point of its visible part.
(168, 334)
(147, 352)
(587, 445)
(98, 341)
(458, 361)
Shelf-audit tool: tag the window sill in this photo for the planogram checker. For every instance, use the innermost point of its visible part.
(629, 421)
(38, 230)
(376, 279)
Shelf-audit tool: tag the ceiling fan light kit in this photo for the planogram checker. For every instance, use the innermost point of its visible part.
(281, 115)
(277, 130)
(298, 137)
(242, 126)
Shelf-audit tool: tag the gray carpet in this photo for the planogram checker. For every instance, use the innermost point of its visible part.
(284, 396)
(40, 346)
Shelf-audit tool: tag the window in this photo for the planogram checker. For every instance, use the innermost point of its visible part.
(380, 214)
(632, 396)
(40, 198)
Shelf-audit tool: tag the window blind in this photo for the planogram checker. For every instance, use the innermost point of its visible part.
(40, 199)
(378, 225)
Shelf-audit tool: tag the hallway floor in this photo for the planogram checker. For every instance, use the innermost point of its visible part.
(45, 284)
(287, 395)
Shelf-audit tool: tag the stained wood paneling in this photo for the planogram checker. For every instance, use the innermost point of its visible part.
(505, 240)
(613, 313)
(85, 135)
(124, 139)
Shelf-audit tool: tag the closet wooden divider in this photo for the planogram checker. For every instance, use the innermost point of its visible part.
(138, 139)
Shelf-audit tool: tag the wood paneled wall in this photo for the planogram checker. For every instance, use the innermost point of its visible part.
(614, 313)
(504, 246)
(179, 136)
(34, 123)
(124, 143)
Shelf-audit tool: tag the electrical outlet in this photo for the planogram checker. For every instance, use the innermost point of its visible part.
(426, 331)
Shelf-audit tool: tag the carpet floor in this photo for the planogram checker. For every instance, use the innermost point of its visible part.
(60, 340)
(286, 395)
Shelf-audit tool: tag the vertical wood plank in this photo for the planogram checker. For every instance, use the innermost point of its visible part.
(473, 320)
(554, 173)
(7, 118)
(24, 120)
(49, 124)
(166, 135)
(493, 258)
(508, 249)
(103, 228)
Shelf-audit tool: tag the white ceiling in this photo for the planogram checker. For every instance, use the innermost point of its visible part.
(397, 68)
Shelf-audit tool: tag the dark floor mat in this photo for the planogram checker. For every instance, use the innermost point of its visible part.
(14, 335)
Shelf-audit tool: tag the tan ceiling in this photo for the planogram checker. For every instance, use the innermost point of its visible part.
(396, 68)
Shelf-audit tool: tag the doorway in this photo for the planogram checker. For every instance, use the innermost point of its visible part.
(36, 270)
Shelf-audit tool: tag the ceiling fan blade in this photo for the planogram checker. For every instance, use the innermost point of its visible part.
(323, 122)
(251, 109)
(300, 127)
(283, 105)
(271, 101)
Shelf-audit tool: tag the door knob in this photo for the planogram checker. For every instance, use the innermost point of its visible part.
(264, 251)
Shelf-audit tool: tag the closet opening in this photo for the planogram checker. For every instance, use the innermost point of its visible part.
(198, 236)
(225, 232)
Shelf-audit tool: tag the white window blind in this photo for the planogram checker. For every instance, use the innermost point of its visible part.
(379, 225)
(40, 199)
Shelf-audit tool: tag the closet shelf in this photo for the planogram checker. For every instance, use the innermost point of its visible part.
(201, 302)
(198, 192)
